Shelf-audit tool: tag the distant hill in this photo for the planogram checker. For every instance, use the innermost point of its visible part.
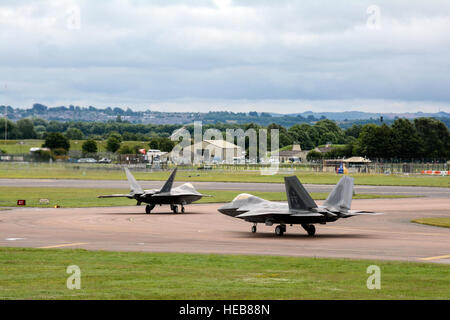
(359, 115)
(91, 114)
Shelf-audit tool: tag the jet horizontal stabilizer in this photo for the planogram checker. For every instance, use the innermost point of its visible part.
(352, 213)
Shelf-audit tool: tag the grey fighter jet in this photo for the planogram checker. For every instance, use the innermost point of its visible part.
(182, 195)
(300, 209)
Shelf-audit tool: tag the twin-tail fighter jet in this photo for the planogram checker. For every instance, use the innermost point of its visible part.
(301, 208)
(182, 195)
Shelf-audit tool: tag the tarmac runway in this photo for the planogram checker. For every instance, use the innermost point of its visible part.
(241, 186)
(204, 230)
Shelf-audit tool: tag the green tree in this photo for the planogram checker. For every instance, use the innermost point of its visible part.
(25, 128)
(55, 126)
(314, 155)
(406, 141)
(299, 134)
(375, 142)
(113, 143)
(284, 137)
(308, 136)
(285, 140)
(11, 132)
(129, 136)
(328, 131)
(126, 149)
(89, 146)
(116, 135)
(340, 152)
(435, 138)
(161, 143)
(329, 137)
(74, 134)
(166, 145)
(40, 131)
(154, 144)
(40, 122)
(354, 131)
(55, 140)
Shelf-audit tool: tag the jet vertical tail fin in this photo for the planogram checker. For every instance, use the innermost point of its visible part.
(341, 196)
(168, 185)
(298, 197)
(134, 186)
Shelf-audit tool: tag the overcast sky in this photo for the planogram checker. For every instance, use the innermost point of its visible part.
(241, 55)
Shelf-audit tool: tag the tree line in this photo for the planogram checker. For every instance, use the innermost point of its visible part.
(59, 144)
(36, 128)
(421, 138)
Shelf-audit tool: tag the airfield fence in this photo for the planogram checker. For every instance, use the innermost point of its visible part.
(26, 161)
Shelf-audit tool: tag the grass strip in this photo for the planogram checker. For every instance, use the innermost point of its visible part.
(437, 222)
(81, 198)
(41, 274)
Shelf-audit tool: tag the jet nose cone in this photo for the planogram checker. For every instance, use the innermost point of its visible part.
(223, 208)
(228, 209)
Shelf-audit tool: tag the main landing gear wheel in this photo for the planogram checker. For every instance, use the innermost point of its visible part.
(310, 229)
(254, 229)
(280, 230)
(182, 209)
(174, 209)
(149, 208)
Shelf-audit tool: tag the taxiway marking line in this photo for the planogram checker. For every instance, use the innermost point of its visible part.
(435, 258)
(63, 245)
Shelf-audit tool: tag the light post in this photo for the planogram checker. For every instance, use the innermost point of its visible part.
(6, 118)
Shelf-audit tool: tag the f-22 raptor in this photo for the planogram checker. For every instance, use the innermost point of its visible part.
(301, 208)
(182, 195)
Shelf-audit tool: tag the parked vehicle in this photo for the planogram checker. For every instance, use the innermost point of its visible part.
(104, 160)
(87, 160)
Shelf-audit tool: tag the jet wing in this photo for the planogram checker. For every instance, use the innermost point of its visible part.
(150, 192)
(308, 214)
(166, 194)
(259, 213)
(129, 196)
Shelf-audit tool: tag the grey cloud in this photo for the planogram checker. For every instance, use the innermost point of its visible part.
(141, 52)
